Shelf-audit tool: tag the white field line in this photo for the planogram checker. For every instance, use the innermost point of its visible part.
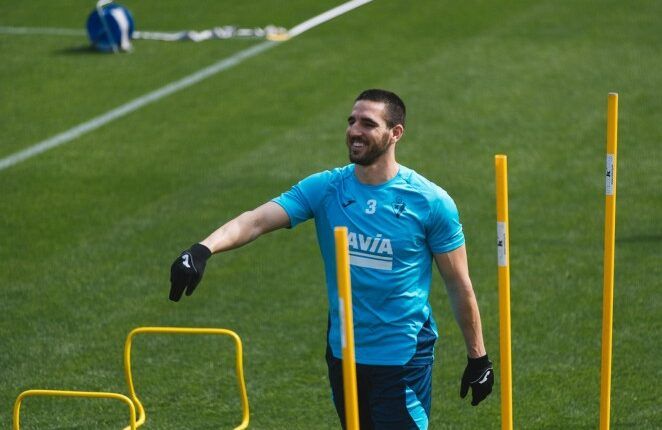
(294, 31)
(326, 16)
(171, 88)
(44, 31)
(125, 109)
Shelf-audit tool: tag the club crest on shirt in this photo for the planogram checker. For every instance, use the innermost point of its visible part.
(398, 206)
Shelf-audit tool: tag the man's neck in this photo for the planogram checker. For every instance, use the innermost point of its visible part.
(379, 172)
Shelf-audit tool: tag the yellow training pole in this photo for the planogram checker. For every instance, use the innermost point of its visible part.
(64, 393)
(503, 260)
(239, 366)
(610, 239)
(347, 329)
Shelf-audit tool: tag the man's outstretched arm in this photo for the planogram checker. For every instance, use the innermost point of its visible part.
(186, 271)
(478, 374)
(247, 227)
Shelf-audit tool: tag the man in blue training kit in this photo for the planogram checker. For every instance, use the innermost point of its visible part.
(398, 223)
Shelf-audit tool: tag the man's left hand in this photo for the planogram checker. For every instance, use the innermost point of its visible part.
(479, 375)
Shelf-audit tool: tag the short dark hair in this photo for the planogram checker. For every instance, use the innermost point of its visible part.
(395, 107)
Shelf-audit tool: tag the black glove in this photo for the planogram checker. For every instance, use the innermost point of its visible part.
(478, 374)
(186, 272)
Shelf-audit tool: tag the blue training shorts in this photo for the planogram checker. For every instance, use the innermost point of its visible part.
(390, 397)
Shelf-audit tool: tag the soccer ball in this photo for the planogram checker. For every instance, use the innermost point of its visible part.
(110, 27)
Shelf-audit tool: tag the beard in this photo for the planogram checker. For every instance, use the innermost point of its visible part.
(372, 152)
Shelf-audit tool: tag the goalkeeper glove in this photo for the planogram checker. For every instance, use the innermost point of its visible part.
(479, 375)
(186, 272)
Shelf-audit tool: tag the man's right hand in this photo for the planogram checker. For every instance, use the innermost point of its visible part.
(186, 271)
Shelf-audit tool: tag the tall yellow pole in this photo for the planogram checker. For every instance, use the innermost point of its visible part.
(608, 279)
(347, 329)
(503, 260)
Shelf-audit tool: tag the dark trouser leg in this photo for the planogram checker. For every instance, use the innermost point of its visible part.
(400, 397)
(363, 386)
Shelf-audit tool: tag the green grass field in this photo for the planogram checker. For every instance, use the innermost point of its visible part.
(89, 229)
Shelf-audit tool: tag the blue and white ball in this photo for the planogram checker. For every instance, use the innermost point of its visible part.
(110, 28)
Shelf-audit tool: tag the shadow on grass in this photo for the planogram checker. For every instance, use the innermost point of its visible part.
(640, 238)
(78, 50)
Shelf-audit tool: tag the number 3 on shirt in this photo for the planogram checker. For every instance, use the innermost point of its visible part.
(372, 206)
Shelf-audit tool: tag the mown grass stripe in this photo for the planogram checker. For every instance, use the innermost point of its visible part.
(169, 89)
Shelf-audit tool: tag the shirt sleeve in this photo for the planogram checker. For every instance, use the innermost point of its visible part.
(444, 228)
(303, 200)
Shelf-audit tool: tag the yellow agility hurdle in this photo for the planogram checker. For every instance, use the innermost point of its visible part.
(64, 393)
(182, 330)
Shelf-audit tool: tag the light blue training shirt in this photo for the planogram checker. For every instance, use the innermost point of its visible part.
(393, 230)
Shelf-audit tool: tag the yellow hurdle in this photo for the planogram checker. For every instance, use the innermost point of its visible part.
(184, 330)
(503, 260)
(64, 393)
(609, 245)
(347, 329)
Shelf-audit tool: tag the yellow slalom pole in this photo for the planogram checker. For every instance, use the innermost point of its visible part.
(347, 329)
(608, 279)
(503, 260)
(66, 393)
